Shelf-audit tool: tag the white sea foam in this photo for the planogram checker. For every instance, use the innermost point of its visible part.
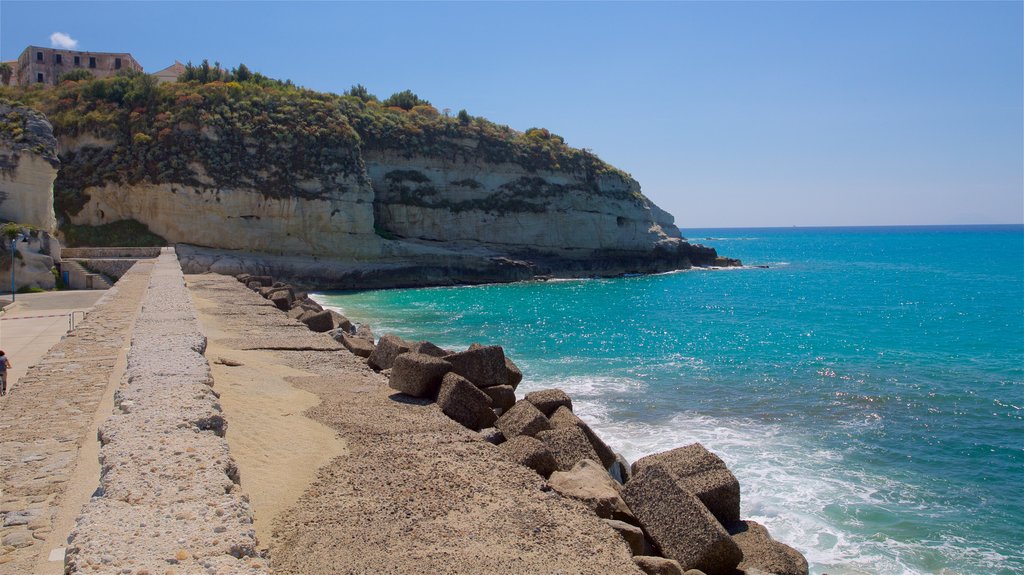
(805, 495)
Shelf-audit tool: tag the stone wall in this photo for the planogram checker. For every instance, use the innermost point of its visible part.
(170, 498)
(123, 252)
(112, 268)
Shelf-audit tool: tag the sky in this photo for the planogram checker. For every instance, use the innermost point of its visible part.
(729, 114)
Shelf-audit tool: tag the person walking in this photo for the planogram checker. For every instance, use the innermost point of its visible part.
(5, 364)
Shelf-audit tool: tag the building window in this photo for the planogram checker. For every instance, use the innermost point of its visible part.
(58, 59)
(78, 61)
(39, 77)
(117, 63)
(92, 61)
(39, 56)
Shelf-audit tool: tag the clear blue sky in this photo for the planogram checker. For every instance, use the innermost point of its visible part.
(729, 114)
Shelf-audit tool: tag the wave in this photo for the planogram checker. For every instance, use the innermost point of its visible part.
(812, 498)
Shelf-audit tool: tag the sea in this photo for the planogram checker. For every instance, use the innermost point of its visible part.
(865, 384)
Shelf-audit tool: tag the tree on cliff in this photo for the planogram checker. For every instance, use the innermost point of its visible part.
(5, 73)
(360, 91)
(405, 100)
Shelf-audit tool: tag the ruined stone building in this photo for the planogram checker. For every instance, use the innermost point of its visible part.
(38, 65)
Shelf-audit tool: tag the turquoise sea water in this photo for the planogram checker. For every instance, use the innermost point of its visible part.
(867, 388)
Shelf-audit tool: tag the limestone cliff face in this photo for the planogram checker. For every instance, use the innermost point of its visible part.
(28, 167)
(361, 194)
(332, 224)
(510, 208)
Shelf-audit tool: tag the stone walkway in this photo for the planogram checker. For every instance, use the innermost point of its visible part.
(48, 465)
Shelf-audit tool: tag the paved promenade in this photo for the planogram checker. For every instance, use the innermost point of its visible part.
(48, 448)
(35, 322)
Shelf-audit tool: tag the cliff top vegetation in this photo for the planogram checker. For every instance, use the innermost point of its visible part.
(244, 128)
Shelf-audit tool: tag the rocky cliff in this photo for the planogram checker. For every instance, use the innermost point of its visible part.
(28, 167)
(351, 192)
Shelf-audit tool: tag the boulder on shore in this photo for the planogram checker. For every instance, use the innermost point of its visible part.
(589, 483)
(658, 565)
(522, 419)
(679, 524)
(762, 552)
(530, 452)
(429, 349)
(464, 402)
(702, 473)
(417, 374)
(515, 375)
(631, 534)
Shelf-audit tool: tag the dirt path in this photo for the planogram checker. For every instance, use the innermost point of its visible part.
(278, 450)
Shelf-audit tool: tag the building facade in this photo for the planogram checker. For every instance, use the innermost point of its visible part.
(38, 65)
(170, 73)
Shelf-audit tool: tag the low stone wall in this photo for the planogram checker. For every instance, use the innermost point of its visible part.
(112, 268)
(169, 496)
(125, 252)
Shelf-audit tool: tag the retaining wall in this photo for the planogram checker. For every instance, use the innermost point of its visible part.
(122, 252)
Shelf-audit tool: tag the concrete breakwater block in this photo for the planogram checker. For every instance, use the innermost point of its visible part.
(679, 524)
(530, 452)
(548, 400)
(522, 419)
(702, 473)
(564, 417)
(418, 374)
(388, 349)
(483, 365)
(569, 446)
(464, 402)
(762, 552)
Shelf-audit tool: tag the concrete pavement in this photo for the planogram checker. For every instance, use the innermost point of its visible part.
(26, 337)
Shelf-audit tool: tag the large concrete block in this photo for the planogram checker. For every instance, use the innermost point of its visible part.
(702, 473)
(502, 396)
(564, 417)
(483, 365)
(569, 446)
(388, 348)
(530, 452)
(320, 322)
(679, 524)
(464, 402)
(417, 374)
(522, 419)
(548, 400)
(762, 552)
